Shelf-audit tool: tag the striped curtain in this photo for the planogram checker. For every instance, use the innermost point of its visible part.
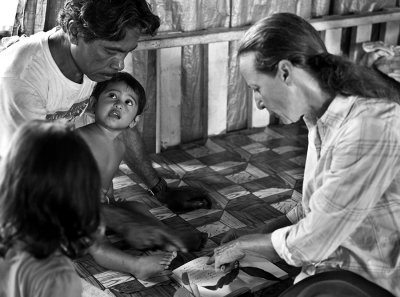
(36, 15)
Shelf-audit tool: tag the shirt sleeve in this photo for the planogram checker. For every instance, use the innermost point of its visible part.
(61, 284)
(296, 213)
(20, 102)
(364, 163)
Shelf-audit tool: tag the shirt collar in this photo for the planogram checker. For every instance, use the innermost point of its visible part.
(335, 114)
(337, 111)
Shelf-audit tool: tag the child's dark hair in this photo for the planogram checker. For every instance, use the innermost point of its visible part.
(130, 81)
(49, 191)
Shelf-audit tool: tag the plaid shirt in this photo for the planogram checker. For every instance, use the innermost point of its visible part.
(350, 216)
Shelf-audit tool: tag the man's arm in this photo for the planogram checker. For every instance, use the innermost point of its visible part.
(363, 166)
(179, 200)
(254, 244)
(137, 158)
(139, 229)
(268, 227)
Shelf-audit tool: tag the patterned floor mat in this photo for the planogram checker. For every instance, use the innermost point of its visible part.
(253, 176)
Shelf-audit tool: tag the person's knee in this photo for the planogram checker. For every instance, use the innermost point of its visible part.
(336, 283)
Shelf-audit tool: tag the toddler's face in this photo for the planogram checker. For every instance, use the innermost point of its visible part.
(117, 106)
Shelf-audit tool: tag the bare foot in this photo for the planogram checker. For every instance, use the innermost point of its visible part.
(148, 266)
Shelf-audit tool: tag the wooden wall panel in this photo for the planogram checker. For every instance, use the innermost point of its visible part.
(150, 117)
(217, 87)
(194, 93)
(332, 41)
(53, 8)
(220, 102)
(359, 35)
(392, 32)
(237, 93)
(142, 64)
(169, 96)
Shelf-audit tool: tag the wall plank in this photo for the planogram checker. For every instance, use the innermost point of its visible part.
(238, 96)
(142, 64)
(164, 40)
(217, 87)
(194, 94)
(169, 96)
(332, 41)
(359, 35)
(392, 33)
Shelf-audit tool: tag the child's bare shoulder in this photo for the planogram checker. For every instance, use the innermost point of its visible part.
(86, 131)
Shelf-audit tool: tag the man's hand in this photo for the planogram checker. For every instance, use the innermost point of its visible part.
(184, 199)
(152, 237)
(226, 255)
(259, 245)
(140, 230)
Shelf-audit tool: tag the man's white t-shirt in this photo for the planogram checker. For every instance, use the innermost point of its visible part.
(33, 87)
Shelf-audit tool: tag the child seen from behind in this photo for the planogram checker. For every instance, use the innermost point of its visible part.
(49, 210)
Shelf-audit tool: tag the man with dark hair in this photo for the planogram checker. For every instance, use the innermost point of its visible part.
(50, 75)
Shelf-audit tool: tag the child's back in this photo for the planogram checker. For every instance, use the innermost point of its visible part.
(24, 275)
(49, 210)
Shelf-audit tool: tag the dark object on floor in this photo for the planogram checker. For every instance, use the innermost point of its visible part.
(336, 284)
(184, 199)
(194, 241)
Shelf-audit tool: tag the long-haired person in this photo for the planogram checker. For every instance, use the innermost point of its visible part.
(49, 210)
(350, 217)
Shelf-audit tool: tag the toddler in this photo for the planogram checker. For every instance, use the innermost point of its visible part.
(118, 105)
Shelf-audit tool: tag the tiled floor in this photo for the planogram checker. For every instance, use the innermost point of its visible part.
(253, 176)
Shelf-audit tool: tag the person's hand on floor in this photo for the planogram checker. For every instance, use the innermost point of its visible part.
(140, 231)
(226, 255)
(182, 199)
(152, 237)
